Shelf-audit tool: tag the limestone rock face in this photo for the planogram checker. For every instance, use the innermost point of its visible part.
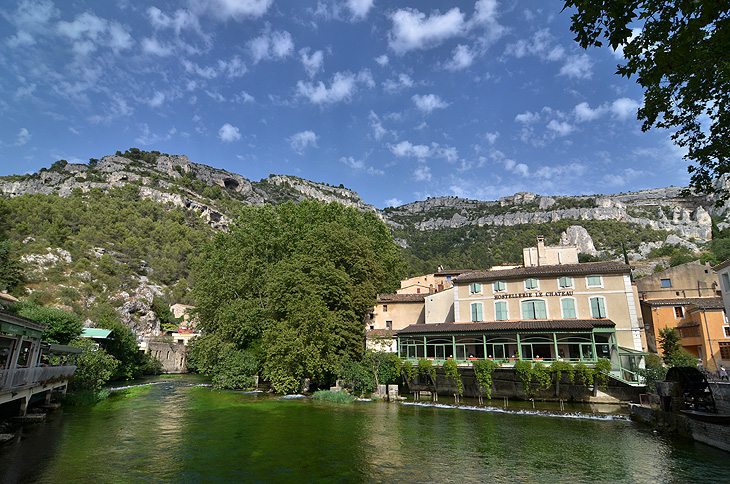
(578, 235)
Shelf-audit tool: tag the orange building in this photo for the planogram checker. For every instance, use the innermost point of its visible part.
(701, 322)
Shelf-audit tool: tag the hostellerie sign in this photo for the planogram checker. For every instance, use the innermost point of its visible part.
(533, 294)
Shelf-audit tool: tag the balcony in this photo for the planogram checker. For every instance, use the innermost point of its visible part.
(23, 378)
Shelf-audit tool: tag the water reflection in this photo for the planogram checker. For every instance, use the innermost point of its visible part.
(175, 432)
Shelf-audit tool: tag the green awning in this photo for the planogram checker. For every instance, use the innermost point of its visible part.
(96, 333)
(11, 328)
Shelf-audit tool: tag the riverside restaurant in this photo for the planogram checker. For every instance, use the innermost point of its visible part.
(569, 340)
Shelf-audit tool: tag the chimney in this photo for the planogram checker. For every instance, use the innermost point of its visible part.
(541, 255)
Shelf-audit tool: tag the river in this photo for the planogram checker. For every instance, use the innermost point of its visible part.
(178, 431)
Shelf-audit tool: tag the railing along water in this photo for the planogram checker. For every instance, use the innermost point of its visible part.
(17, 378)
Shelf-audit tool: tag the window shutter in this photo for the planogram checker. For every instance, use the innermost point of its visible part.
(540, 311)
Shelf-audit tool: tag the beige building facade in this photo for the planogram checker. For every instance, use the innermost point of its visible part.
(689, 280)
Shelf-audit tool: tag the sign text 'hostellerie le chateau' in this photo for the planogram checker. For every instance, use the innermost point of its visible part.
(533, 294)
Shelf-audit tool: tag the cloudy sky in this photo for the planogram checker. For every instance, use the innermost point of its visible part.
(398, 100)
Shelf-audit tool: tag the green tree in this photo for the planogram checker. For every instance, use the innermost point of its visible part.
(290, 284)
(672, 352)
(11, 274)
(94, 366)
(681, 58)
(62, 326)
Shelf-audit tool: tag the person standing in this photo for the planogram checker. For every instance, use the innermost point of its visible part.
(723, 373)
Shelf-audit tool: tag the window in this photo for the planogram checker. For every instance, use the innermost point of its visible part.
(598, 307)
(724, 350)
(727, 331)
(499, 286)
(565, 282)
(726, 281)
(418, 290)
(448, 278)
(500, 311)
(476, 312)
(475, 288)
(534, 309)
(689, 332)
(385, 308)
(666, 282)
(531, 283)
(568, 306)
(389, 325)
(594, 281)
(678, 312)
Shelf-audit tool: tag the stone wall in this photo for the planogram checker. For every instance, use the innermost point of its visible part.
(506, 383)
(173, 356)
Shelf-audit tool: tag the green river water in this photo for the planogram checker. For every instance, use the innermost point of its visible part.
(180, 432)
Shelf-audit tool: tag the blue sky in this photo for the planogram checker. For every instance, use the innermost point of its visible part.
(396, 100)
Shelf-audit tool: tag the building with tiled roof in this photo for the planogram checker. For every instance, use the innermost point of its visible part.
(701, 323)
(550, 308)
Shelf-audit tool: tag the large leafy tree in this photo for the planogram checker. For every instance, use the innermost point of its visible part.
(681, 58)
(290, 285)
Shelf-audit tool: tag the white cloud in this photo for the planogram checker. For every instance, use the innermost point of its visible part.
(342, 87)
(244, 97)
(395, 85)
(560, 128)
(234, 9)
(232, 68)
(149, 138)
(462, 58)
(157, 100)
(312, 63)
(422, 173)
(150, 45)
(571, 170)
(413, 30)
(624, 108)
(527, 117)
(378, 130)
(229, 133)
(382, 60)
(583, 112)
(359, 8)
(23, 137)
(428, 102)
(577, 66)
(271, 45)
(181, 20)
(491, 137)
(360, 166)
(393, 202)
(406, 149)
(31, 17)
(302, 140)
(619, 52)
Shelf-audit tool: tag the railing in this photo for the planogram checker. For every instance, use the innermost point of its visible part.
(18, 378)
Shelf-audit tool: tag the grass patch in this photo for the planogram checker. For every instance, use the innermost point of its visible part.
(330, 396)
(85, 397)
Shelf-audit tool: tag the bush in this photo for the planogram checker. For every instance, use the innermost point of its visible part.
(94, 366)
(330, 396)
(483, 370)
(451, 369)
(85, 397)
(653, 372)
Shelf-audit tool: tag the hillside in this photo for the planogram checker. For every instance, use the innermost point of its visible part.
(119, 233)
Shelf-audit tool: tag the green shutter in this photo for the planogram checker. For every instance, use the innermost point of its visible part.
(528, 310)
(568, 309)
(598, 307)
(501, 311)
(476, 312)
(540, 310)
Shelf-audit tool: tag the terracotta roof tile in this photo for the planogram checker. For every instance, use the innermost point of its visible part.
(386, 298)
(586, 268)
(522, 325)
(721, 265)
(700, 302)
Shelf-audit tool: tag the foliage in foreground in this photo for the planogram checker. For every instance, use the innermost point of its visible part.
(94, 366)
(85, 397)
(680, 57)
